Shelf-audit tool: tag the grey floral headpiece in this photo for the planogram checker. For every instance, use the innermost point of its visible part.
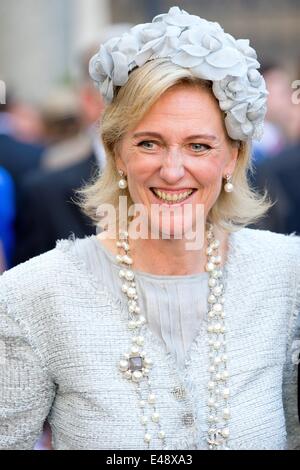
(202, 47)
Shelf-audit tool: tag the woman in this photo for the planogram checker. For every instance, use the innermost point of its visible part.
(155, 337)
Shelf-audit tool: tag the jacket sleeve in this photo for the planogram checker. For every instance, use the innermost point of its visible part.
(290, 392)
(291, 379)
(26, 390)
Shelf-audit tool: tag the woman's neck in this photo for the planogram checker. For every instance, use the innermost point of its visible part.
(167, 256)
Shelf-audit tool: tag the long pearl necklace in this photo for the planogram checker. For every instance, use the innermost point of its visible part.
(136, 366)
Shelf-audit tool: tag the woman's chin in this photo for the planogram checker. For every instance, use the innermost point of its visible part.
(175, 228)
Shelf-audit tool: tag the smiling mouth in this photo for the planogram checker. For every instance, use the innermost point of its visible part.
(172, 197)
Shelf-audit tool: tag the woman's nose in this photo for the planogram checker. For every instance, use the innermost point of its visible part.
(172, 168)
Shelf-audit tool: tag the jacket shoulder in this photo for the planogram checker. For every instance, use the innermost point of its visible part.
(268, 241)
(271, 252)
(37, 276)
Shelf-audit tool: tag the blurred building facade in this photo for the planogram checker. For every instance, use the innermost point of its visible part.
(39, 39)
(271, 25)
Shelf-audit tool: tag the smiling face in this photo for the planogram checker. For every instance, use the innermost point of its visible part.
(178, 154)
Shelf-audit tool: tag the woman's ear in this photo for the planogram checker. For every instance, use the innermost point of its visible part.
(234, 154)
(119, 162)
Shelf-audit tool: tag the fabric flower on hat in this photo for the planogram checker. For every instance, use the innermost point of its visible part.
(202, 47)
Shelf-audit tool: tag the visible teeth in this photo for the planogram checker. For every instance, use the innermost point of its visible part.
(172, 197)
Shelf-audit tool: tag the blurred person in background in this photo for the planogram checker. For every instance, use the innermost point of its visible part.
(279, 114)
(27, 123)
(64, 130)
(280, 176)
(21, 148)
(7, 216)
(74, 154)
(17, 155)
(48, 212)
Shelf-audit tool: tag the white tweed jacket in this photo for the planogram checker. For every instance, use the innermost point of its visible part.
(62, 334)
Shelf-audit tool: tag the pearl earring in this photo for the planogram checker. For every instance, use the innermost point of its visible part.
(228, 186)
(122, 181)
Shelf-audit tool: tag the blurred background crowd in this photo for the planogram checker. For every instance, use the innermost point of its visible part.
(50, 111)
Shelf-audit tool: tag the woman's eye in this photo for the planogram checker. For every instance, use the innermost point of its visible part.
(147, 144)
(199, 147)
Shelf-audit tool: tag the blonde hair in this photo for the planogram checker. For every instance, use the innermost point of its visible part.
(132, 101)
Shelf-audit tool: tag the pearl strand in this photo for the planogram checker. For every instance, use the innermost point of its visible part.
(219, 413)
(135, 365)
